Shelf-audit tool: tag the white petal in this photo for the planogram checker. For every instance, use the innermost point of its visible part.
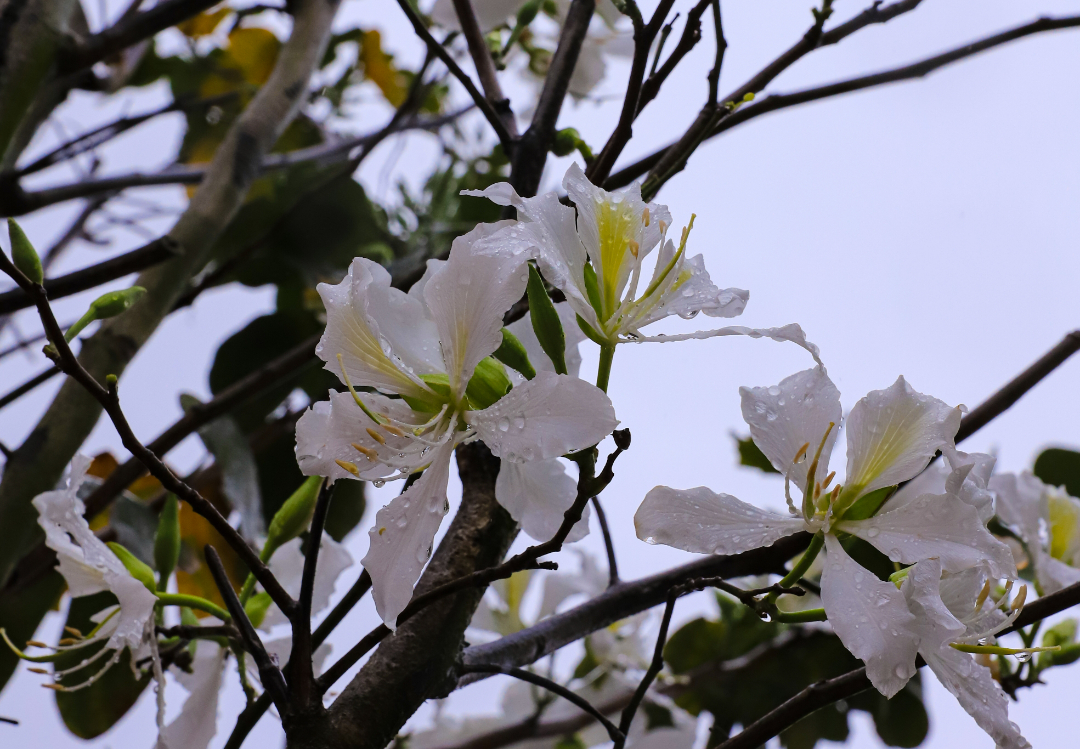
(1021, 504)
(969, 479)
(790, 333)
(469, 296)
(978, 693)
(549, 416)
(366, 318)
(588, 71)
(934, 623)
(590, 581)
(537, 495)
(870, 617)
(935, 526)
(287, 564)
(1053, 574)
(701, 521)
(523, 329)
(959, 591)
(796, 412)
(401, 539)
(688, 290)
(196, 724)
(330, 430)
(892, 434)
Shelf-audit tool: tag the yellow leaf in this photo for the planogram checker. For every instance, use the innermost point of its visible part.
(204, 23)
(379, 68)
(254, 52)
(195, 579)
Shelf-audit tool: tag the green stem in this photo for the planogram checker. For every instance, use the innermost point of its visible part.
(607, 353)
(998, 650)
(799, 617)
(193, 602)
(801, 566)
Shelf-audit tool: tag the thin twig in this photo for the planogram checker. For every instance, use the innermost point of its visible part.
(269, 674)
(302, 677)
(158, 251)
(29, 385)
(652, 672)
(485, 65)
(195, 631)
(613, 567)
(554, 687)
(690, 37)
(439, 51)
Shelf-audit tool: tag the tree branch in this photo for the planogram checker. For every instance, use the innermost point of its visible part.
(26, 387)
(485, 65)
(652, 672)
(912, 71)
(301, 675)
(609, 546)
(134, 261)
(493, 118)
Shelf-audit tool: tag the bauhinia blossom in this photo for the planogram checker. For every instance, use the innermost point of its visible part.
(891, 436)
(89, 567)
(1047, 519)
(952, 611)
(421, 381)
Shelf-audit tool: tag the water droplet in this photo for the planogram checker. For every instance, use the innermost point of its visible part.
(689, 315)
(901, 672)
(725, 298)
(401, 522)
(774, 391)
(859, 577)
(873, 532)
(650, 540)
(759, 407)
(528, 453)
(379, 483)
(519, 422)
(504, 424)
(1023, 657)
(771, 416)
(445, 506)
(882, 601)
(895, 555)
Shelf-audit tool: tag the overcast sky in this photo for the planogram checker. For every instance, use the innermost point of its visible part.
(928, 229)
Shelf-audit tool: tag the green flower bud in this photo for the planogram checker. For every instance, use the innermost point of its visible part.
(545, 321)
(513, 354)
(106, 306)
(528, 12)
(138, 568)
(488, 383)
(293, 517)
(167, 540)
(566, 141)
(897, 578)
(23, 253)
(257, 606)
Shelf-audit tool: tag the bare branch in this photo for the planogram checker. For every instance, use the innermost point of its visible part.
(609, 546)
(439, 51)
(485, 65)
(26, 387)
(652, 672)
(301, 675)
(136, 260)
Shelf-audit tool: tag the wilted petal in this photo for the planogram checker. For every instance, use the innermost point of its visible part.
(549, 416)
(524, 332)
(468, 297)
(870, 617)
(330, 431)
(790, 333)
(939, 526)
(196, 724)
(893, 433)
(704, 522)
(383, 336)
(537, 495)
(796, 412)
(977, 692)
(401, 539)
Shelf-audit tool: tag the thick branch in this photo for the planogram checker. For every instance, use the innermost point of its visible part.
(485, 65)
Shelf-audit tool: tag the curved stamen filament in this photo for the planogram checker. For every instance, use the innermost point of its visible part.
(811, 472)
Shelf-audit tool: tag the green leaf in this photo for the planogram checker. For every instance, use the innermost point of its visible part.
(94, 710)
(570, 742)
(656, 716)
(1059, 467)
(750, 455)
(224, 440)
(512, 353)
(545, 321)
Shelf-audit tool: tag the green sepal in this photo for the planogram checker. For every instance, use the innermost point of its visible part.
(488, 383)
(592, 289)
(545, 321)
(590, 332)
(293, 517)
(139, 569)
(167, 540)
(512, 353)
(23, 254)
(439, 384)
(867, 505)
(257, 606)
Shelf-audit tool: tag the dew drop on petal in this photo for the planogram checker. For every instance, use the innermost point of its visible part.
(650, 540)
(688, 315)
(379, 483)
(401, 522)
(519, 422)
(901, 672)
(895, 555)
(873, 532)
(504, 424)
(774, 391)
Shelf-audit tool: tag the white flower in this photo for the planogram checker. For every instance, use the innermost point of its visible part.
(1047, 520)
(89, 567)
(967, 476)
(196, 724)
(948, 611)
(597, 257)
(891, 436)
(431, 348)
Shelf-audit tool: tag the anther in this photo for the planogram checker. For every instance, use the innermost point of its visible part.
(54, 687)
(983, 594)
(828, 480)
(68, 641)
(1018, 602)
(645, 216)
(73, 632)
(36, 670)
(817, 489)
(1008, 589)
(799, 456)
(376, 436)
(835, 494)
(634, 248)
(662, 225)
(367, 452)
(36, 644)
(393, 430)
(350, 467)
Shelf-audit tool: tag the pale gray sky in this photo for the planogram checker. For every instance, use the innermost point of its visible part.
(927, 229)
